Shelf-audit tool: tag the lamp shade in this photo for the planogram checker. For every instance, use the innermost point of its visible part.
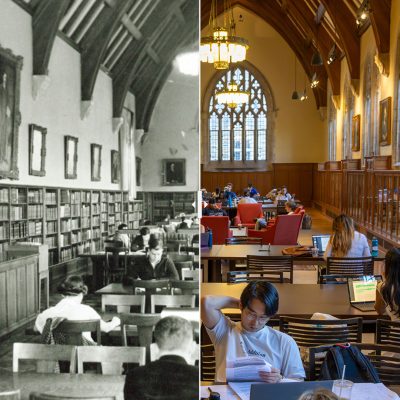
(295, 95)
(316, 59)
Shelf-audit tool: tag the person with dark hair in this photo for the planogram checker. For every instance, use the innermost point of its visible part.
(253, 191)
(71, 308)
(388, 292)
(153, 265)
(346, 241)
(122, 237)
(213, 211)
(247, 199)
(258, 302)
(183, 224)
(229, 195)
(141, 241)
(170, 377)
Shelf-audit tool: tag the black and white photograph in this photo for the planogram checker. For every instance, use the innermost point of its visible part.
(174, 171)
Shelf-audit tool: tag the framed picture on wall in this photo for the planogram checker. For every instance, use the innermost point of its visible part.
(174, 172)
(115, 167)
(355, 133)
(95, 161)
(385, 119)
(10, 116)
(70, 156)
(37, 150)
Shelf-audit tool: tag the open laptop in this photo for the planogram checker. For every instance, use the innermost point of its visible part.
(362, 291)
(320, 242)
(286, 390)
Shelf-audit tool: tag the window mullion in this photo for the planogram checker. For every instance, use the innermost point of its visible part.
(255, 138)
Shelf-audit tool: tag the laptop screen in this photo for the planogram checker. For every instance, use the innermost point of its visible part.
(320, 242)
(363, 289)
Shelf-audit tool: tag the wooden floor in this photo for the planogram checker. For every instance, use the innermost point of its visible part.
(320, 225)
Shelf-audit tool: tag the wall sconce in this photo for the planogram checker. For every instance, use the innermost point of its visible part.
(314, 81)
(332, 54)
(363, 13)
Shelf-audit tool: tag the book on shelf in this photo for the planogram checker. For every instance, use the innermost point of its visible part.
(246, 369)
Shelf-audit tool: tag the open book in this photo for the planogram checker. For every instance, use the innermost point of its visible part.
(246, 369)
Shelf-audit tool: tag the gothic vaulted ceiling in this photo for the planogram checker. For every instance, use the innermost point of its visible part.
(307, 25)
(134, 41)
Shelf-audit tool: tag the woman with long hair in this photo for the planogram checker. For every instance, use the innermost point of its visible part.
(345, 240)
(388, 292)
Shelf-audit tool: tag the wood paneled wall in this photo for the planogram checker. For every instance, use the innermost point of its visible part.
(296, 176)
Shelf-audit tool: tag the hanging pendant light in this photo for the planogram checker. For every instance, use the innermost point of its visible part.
(295, 95)
(223, 47)
(316, 59)
(232, 96)
(314, 81)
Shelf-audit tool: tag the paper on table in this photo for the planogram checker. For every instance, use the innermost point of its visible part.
(372, 391)
(246, 369)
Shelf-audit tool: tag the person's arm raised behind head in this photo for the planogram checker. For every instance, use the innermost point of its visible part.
(211, 307)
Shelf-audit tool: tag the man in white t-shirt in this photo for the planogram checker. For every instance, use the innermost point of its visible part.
(258, 303)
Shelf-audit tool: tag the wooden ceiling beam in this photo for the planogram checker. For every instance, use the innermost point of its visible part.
(94, 45)
(380, 21)
(45, 20)
(325, 42)
(125, 69)
(347, 30)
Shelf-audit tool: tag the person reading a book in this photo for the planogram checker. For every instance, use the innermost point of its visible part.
(251, 337)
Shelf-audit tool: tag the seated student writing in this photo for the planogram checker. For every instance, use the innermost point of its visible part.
(141, 242)
(251, 337)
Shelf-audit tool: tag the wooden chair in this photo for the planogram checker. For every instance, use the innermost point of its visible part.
(190, 274)
(10, 395)
(311, 332)
(43, 352)
(387, 332)
(207, 366)
(350, 266)
(168, 300)
(273, 265)
(242, 240)
(111, 358)
(143, 322)
(180, 265)
(219, 227)
(71, 331)
(116, 261)
(152, 284)
(241, 276)
(386, 360)
(123, 302)
(45, 396)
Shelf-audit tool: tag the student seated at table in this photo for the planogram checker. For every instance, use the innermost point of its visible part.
(247, 199)
(258, 303)
(388, 292)
(195, 222)
(213, 211)
(345, 240)
(283, 194)
(170, 377)
(153, 265)
(253, 191)
(141, 241)
(122, 237)
(70, 307)
(290, 207)
(183, 224)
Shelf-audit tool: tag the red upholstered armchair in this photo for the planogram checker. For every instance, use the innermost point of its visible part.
(247, 213)
(285, 231)
(219, 226)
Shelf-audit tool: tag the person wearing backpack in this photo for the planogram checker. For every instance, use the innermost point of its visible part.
(388, 292)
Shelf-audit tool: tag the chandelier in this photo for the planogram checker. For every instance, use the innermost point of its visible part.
(223, 47)
(232, 96)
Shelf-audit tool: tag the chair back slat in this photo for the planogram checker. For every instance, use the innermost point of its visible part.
(123, 302)
(254, 275)
(168, 300)
(350, 266)
(280, 264)
(388, 332)
(145, 324)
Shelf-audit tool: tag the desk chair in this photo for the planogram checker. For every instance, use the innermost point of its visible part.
(70, 332)
(385, 359)
(111, 358)
(180, 265)
(145, 324)
(45, 396)
(207, 364)
(387, 332)
(169, 300)
(151, 287)
(187, 287)
(254, 275)
(123, 302)
(43, 352)
(350, 266)
(190, 274)
(274, 265)
(115, 262)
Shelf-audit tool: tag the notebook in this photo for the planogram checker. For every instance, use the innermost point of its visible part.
(320, 242)
(362, 291)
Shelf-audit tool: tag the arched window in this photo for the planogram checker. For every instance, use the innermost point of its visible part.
(239, 135)
(347, 121)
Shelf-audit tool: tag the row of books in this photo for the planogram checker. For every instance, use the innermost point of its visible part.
(17, 212)
(51, 213)
(35, 228)
(35, 211)
(19, 230)
(35, 196)
(18, 195)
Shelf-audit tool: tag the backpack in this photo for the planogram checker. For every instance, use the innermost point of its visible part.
(307, 222)
(358, 367)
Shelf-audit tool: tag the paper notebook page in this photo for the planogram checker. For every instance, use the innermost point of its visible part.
(372, 391)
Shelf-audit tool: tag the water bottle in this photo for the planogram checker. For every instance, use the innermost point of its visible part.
(374, 247)
(210, 240)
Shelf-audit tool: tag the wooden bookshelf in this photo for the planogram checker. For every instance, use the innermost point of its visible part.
(172, 204)
(70, 221)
